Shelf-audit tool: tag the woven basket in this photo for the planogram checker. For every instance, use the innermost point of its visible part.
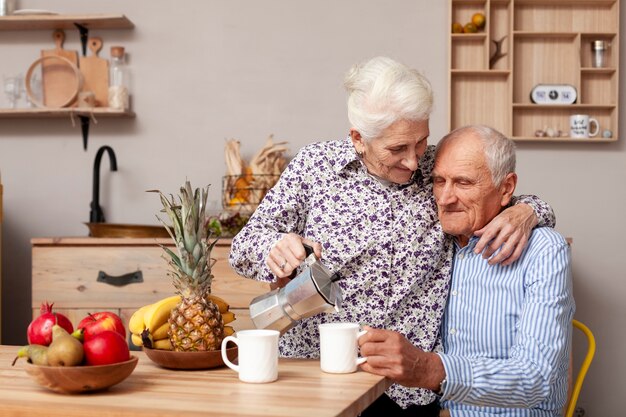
(244, 193)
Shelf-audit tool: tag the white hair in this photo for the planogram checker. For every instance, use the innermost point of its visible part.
(499, 150)
(382, 91)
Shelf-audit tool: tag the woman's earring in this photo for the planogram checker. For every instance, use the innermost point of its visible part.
(359, 153)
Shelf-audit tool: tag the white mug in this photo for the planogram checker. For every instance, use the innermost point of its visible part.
(579, 126)
(339, 348)
(258, 355)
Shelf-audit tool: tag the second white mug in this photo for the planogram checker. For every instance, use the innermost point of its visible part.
(257, 353)
(580, 126)
(339, 348)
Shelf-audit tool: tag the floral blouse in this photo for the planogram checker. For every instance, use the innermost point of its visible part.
(383, 238)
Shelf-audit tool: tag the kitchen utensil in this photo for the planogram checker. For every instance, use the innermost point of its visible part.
(598, 49)
(58, 78)
(63, 97)
(78, 379)
(95, 72)
(339, 348)
(314, 290)
(190, 360)
(258, 355)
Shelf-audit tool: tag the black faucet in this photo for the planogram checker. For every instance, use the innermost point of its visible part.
(96, 215)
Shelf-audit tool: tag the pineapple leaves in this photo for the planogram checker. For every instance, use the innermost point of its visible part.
(191, 267)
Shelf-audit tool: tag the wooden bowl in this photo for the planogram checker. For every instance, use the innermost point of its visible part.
(126, 230)
(78, 379)
(190, 360)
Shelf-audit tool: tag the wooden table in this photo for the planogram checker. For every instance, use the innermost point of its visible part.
(302, 389)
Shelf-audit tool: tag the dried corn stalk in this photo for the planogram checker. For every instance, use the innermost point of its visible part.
(245, 186)
(232, 155)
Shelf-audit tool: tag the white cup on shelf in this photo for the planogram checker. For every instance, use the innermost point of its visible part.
(579, 125)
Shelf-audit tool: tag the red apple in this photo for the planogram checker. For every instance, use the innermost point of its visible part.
(99, 322)
(105, 348)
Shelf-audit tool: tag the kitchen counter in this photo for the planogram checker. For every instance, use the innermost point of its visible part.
(302, 389)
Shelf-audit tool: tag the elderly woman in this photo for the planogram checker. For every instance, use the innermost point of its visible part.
(365, 203)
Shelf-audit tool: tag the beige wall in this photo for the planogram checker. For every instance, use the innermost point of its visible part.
(205, 71)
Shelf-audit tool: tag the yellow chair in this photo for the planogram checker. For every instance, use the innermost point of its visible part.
(578, 384)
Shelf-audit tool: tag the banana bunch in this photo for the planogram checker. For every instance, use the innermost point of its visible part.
(149, 325)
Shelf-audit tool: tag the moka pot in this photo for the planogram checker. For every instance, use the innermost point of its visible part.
(313, 291)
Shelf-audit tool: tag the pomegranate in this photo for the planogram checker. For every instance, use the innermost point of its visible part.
(40, 330)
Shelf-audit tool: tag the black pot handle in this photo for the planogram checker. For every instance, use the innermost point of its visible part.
(120, 281)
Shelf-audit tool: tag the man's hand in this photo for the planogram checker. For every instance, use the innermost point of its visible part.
(508, 231)
(287, 254)
(390, 354)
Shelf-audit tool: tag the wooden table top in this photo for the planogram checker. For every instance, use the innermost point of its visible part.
(302, 389)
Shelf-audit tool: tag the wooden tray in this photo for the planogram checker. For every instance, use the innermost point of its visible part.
(190, 360)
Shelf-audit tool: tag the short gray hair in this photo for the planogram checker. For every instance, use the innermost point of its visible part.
(499, 150)
(382, 91)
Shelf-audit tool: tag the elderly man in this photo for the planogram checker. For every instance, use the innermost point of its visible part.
(506, 329)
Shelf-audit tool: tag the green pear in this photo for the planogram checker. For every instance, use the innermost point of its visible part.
(36, 354)
(65, 350)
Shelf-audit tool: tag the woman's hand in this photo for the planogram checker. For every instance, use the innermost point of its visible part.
(509, 231)
(287, 254)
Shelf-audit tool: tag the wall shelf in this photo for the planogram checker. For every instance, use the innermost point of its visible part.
(543, 42)
(40, 113)
(83, 23)
(45, 22)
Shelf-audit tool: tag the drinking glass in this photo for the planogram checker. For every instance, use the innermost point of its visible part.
(13, 88)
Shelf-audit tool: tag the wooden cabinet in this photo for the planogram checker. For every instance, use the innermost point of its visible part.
(68, 22)
(78, 275)
(544, 42)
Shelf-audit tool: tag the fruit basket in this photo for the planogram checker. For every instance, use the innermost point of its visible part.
(79, 379)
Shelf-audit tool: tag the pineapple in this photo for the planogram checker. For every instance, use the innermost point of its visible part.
(195, 324)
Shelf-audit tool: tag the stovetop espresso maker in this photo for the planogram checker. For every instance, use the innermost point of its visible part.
(314, 290)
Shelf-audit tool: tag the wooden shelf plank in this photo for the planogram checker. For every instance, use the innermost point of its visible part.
(563, 139)
(495, 73)
(65, 112)
(569, 2)
(468, 36)
(591, 70)
(64, 21)
(542, 35)
(545, 107)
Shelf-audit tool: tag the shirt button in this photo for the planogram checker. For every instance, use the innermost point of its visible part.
(453, 331)
(461, 256)
(454, 292)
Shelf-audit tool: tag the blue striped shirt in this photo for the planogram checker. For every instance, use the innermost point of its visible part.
(507, 331)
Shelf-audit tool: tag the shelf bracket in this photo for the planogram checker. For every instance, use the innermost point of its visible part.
(84, 127)
(84, 35)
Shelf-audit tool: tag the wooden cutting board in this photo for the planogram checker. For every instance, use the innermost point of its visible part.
(58, 79)
(95, 72)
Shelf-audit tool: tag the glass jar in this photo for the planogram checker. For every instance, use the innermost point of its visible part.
(119, 80)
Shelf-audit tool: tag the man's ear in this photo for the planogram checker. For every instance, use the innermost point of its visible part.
(507, 188)
(357, 140)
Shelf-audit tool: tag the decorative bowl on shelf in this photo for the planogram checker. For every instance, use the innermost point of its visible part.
(190, 360)
(79, 379)
(126, 230)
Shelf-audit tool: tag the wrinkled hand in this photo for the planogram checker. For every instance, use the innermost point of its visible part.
(508, 231)
(391, 355)
(287, 254)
